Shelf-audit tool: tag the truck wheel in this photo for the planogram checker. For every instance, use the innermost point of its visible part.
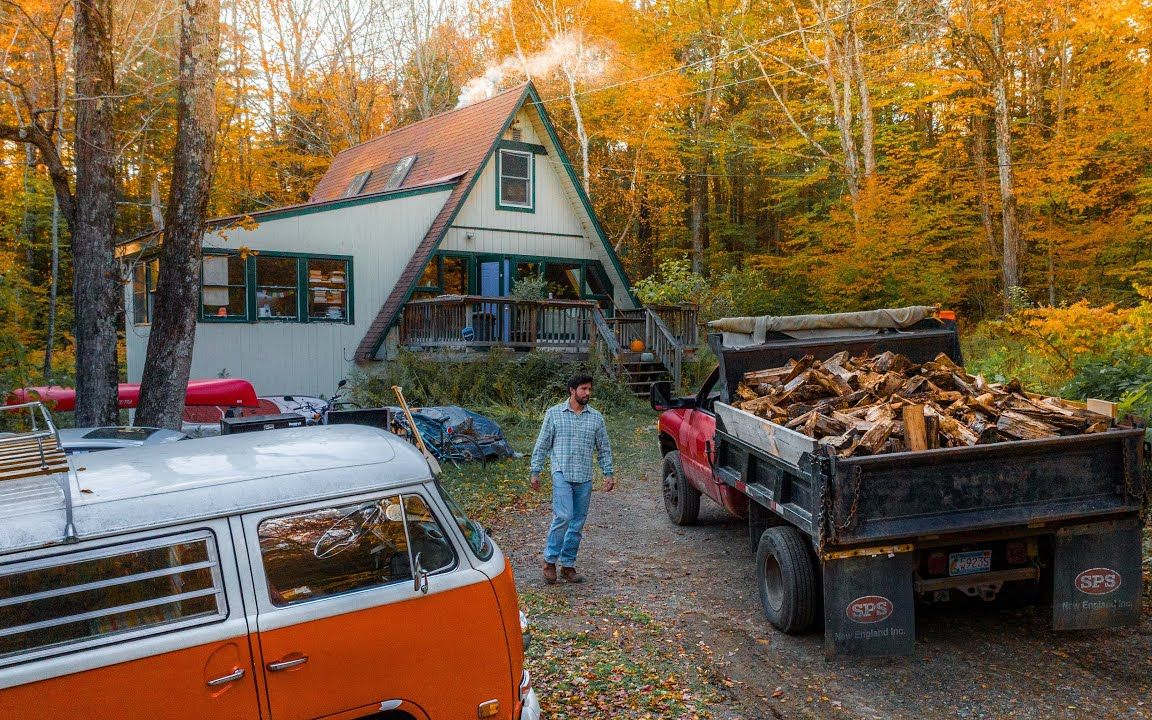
(681, 500)
(786, 578)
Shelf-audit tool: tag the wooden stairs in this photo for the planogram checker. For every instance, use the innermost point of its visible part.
(639, 375)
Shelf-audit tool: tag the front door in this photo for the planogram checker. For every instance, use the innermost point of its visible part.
(343, 629)
(493, 320)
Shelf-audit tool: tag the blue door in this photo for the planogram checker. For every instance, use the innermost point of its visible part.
(493, 320)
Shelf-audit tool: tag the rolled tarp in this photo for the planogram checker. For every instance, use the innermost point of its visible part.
(804, 325)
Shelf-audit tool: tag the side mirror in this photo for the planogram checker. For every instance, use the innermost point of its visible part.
(342, 383)
(659, 394)
(419, 576)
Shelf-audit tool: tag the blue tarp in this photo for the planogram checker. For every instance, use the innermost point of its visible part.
(456, 420)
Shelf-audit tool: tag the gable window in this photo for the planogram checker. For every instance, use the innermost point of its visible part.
(223, 294)
(514, 189)
(145, 274)
(276, 287)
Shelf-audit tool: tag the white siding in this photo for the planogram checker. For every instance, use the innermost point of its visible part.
(559, 227)
(309, 358)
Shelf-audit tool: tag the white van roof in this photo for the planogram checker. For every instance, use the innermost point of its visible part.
(133, 489)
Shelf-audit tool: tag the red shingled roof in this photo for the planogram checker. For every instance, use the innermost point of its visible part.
(453, 144)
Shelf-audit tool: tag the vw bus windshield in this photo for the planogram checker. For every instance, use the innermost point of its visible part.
(477, 539)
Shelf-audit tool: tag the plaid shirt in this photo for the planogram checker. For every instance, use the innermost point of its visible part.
(569, 438)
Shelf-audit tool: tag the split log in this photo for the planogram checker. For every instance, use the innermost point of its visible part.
(886, 404)
(1020, 426)
(915, 430)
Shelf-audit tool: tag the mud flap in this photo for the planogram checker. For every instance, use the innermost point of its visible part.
(869, 608)
(1096, 581)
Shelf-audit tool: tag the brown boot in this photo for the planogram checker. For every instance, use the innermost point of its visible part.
(549, 573)
(569, 575)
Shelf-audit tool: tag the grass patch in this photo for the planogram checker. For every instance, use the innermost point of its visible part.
(611, 660)
(487, 492)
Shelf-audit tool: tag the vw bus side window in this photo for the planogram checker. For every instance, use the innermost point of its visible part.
(54, 603)
(347, 548)
(428, 537)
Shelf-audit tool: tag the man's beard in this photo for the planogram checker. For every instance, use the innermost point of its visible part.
(582, 400)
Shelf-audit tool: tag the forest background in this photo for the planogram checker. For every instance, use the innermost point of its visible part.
(991, 156)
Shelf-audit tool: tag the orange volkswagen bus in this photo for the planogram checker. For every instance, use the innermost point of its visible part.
(293, 574)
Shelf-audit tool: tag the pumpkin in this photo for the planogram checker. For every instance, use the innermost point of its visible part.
(637, 345)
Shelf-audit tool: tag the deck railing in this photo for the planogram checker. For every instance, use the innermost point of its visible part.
(682, 321)
(474, 321)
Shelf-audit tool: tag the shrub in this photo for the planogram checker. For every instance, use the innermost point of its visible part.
(673, 283)
(495, 380)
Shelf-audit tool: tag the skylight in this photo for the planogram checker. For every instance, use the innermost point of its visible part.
(358, 183)
(400, 172)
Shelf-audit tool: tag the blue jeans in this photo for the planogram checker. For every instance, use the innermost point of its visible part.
(569, 511)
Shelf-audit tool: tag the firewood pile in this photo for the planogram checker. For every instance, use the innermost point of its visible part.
(887, 403)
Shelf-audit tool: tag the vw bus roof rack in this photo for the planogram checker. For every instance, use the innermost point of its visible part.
(34, 451)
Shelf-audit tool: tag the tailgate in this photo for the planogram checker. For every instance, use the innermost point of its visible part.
(949, 490)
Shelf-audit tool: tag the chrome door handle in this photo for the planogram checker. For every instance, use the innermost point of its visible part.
(233, 677)
(285, 664)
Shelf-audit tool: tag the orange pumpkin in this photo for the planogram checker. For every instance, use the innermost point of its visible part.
(637, 345)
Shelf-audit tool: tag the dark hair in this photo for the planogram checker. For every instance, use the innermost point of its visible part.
(579, 379)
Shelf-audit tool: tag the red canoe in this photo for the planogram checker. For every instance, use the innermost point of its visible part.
(227, 392)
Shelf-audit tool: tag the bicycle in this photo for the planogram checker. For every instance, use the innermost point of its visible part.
(445, 444)
(315, 410)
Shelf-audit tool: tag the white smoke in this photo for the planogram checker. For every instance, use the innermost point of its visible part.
(567, 51)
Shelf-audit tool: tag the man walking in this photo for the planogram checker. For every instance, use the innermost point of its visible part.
(570, 433)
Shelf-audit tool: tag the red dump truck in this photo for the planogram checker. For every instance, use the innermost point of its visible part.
(867, 538)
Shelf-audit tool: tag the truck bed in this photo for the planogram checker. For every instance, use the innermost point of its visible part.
(894, 496)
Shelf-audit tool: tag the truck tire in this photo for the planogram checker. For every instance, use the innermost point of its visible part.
(681, 500)
(787, 579)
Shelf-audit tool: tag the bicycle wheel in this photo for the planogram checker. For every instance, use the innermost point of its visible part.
(464, 447)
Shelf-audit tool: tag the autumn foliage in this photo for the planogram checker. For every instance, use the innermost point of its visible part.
(800, 155)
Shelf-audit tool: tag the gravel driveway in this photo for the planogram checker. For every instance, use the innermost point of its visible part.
(698, 584)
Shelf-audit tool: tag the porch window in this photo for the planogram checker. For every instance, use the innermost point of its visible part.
(454, 279)
(276, 286)
(515, 184)
(223, 295)
(444, 275)
(145, 274)
(563, 280)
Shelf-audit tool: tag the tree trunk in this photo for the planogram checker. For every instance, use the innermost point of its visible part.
(173, 334)
(96, 288)
(698, 214)
(867, 123)
(581, 132)
(1004, 161)
(980, 156)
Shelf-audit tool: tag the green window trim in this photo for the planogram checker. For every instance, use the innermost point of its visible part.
(310, 282)
(501, 204)
(523, 147)
(473, 260)
(145, 274)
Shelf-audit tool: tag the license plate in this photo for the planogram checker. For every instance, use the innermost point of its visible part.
(970, 563)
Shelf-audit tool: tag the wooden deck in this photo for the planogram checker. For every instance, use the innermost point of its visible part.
(459, 325)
